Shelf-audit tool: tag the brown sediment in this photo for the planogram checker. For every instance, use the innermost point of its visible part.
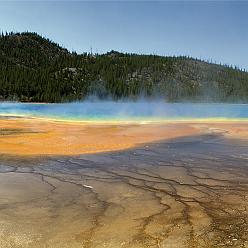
(229, 129)
(187, 192)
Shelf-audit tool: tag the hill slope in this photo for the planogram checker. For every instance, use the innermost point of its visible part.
(33, 68)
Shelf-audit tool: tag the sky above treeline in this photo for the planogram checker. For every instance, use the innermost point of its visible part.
(210, 30)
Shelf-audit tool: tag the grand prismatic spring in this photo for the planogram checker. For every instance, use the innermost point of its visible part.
(123, 174)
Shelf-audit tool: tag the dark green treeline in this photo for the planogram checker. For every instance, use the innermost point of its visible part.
(35, 69)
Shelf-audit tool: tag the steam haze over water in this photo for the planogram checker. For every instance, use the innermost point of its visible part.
(125, 111)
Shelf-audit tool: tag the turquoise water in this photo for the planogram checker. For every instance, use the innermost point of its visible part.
(126, 111)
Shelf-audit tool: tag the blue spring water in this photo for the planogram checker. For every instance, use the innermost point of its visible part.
(125, 111)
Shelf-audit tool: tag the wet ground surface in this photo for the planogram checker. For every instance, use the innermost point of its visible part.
(187, 192)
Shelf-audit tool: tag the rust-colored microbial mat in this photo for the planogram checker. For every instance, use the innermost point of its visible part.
(44, 137)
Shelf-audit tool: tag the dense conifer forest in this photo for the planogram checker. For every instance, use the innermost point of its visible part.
(35, 69)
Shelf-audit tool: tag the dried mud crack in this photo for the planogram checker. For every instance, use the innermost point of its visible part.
(190, 192)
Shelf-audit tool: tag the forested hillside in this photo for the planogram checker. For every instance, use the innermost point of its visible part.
(35, 69)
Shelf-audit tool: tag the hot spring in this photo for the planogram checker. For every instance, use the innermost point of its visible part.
(110, 111)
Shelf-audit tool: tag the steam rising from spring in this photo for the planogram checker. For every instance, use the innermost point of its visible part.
(126, 111)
